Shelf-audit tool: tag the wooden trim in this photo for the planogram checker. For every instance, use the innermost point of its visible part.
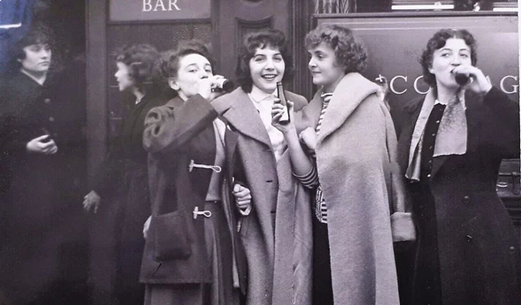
(301, 24)
(153, 22)
(216, 37)
(96, 66)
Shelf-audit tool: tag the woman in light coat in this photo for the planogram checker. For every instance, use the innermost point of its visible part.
(276, 228)
(349, 132)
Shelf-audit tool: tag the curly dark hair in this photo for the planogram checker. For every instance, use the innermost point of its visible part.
(141, 60)
(349, 50)
(437, 42)
(271, 38)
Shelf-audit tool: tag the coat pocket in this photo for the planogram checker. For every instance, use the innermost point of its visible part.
(170, 236)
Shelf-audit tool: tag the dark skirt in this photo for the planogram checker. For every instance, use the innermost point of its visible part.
(43, 250)
(322, 283)
(221, 290)
(427, 280)
(133, 211)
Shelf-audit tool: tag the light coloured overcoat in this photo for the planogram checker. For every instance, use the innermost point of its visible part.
(355, 152)
(277, 234)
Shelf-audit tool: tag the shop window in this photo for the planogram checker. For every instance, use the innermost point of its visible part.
(378, 6)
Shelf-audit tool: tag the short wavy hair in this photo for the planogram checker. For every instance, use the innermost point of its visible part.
(141, 60)
(169, 62)
(437, 42)
(39, 34)
(271, 38)
(350, 51)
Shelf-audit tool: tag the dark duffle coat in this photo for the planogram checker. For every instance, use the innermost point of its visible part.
(478, 249)
(176, 192)
(276, 235)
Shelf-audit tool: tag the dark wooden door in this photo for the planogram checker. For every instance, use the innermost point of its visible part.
(239, 17)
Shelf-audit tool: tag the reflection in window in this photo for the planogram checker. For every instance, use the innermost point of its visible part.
(334, 6)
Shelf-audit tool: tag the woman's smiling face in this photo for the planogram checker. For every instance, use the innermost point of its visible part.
(267, 68)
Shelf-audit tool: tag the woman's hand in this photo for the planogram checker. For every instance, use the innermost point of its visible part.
(480, 84)
(277, 110)
(42, 145)
(308, 136)
(242, 199)
(91, 202)
(146, 227)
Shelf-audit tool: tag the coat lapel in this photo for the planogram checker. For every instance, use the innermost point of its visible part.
(351, 90)
(470, 100)
(243, 116)
(308, 116)
(405, 138)
(404, 144)
(175, 102)
(230, 141)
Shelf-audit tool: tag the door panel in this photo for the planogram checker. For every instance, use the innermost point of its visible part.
(239, 17)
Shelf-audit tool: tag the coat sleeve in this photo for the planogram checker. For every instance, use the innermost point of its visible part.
(502, 123)
(109, 171)
(168, 129)
(13, 139)
(10, 142)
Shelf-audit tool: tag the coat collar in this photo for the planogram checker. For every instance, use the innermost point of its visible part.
(349, 93)
(175, 102)
(414, 108)
(238, 110)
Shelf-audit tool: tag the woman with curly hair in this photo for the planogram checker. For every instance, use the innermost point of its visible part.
(276, 226)
(123, 177)
(349, 132)
(450, 149)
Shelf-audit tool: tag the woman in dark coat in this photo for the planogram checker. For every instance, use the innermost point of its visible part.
(39, 134)
(190, 243)
(123, 176)
(450, 150)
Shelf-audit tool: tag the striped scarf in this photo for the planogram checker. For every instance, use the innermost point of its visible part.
(320, 202)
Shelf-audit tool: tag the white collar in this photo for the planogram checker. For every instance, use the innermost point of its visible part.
(257, 95)
(460, 97)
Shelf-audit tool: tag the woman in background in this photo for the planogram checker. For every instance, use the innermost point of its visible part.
(450, 149)
(42, 259)
(276, 228)
(123, 177)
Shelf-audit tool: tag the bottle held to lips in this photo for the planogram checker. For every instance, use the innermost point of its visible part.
(223, 84)
(284, 119)
(462, 79)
